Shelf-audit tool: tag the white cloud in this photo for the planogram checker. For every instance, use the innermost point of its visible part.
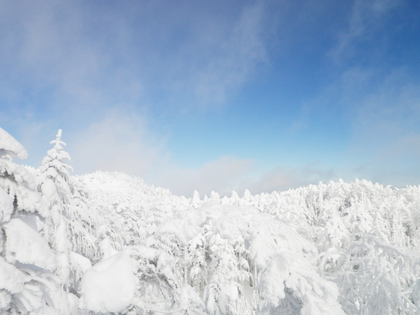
(118, 141)
(280, 179)
(222, 175)
(386, 127)
(70, 64)
(366, 17)
(384, 131)
(378, 111)
(53, 61)
(122, 141)
(77, 58)
(235, 54)
(388, 119)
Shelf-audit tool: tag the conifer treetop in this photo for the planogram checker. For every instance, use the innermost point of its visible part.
(58, 144)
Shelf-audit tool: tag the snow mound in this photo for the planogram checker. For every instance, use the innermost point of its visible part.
(11, 278)
(10, 146)
(109, 286)
(25, 245)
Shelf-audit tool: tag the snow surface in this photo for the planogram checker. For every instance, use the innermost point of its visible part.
(231, 248)
(11, 278)
(109, 285)
(9, 146)
(25, 245)
(416, 293)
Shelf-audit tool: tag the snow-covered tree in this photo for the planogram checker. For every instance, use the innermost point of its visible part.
(292, 252)
(73, 234)
(28, 283)
(224, 293)
(195, 201)
(376, 278)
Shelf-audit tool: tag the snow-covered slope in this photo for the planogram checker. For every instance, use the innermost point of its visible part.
(356, 242)
(107, 243)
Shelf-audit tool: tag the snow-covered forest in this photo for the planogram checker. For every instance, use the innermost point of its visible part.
(108, 243)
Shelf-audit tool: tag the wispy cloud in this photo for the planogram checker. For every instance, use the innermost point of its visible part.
(377, 111)
(387, 120)
(82, 57)
(367, 16)
(97, 68)
(280, 178)
(233, 56)
(382, 115)
(121, 141)
(118, 141)
(50, 62)
(222, 175)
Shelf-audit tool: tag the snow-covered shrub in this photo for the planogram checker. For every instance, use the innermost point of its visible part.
(137, 280)
(376, 278)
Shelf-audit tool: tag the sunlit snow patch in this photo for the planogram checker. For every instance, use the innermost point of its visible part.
(25, 245)
(109, 286)
(10, 147)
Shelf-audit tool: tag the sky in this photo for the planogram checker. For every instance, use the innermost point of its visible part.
(217, 95)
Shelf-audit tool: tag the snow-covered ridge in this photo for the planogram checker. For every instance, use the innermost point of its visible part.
(124, 188)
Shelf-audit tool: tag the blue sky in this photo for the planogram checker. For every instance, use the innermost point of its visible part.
(217, 95)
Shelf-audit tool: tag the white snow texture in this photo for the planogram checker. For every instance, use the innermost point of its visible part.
(107, 243)
(109, 286)
(10, 147)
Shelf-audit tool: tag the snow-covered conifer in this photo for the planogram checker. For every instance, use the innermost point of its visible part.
(73, 225)
(28, 283)
(195, 201)
(65, 194)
